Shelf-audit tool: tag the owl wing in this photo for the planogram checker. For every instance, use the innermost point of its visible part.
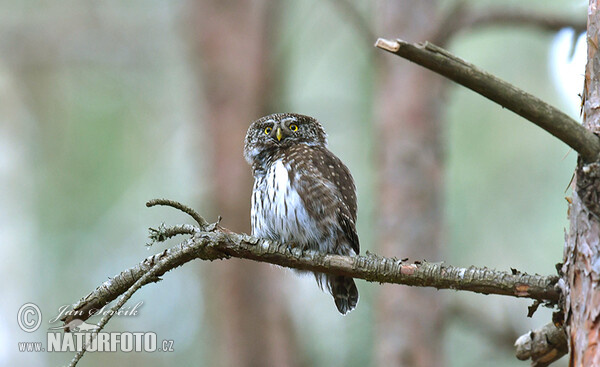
(347, 196)
(327, 189)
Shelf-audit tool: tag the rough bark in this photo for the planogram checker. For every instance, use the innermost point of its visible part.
(582, 248)
(245, 304)
(543, 346)
(213, 242)
(410, 185)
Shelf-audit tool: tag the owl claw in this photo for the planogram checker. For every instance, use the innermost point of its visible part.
(297, 251)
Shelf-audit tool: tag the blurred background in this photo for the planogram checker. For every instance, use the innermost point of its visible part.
(105, 105)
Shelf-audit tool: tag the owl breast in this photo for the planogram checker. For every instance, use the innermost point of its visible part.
(278, 212)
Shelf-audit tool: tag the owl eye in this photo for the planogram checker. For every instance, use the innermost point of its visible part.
(268, 130)
(294, 127)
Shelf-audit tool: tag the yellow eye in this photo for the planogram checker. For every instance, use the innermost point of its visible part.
(268, 130)
(294, 127)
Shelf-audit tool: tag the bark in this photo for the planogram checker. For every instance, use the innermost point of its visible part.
(212, 242)
(543, 346)
(582, 248)
(409, 320)
(245, 304)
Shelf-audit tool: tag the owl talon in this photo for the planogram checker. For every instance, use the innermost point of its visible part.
(297, 252)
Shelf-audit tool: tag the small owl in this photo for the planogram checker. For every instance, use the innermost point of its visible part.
(303, 194)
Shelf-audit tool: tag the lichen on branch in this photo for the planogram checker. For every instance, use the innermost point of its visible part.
(216, 243)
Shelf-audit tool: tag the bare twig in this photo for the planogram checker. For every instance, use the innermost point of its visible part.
(177, 205)
(543, 346)
(163, 233)
(547, 22)
(175, 256)
(355, 18)
(478, 320)
(463, 17)
(505, 94)
(162, 266)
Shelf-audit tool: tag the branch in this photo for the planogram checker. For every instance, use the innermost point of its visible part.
(213, 242)
(171, 258)
(355, 18)
(186, 209)
(547, 22)
(501, 335)
(217, 243)
(160, 267)
(505, 94)
(464, 17)
(543, 346)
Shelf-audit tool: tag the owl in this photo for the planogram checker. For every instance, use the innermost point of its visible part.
(303, 194)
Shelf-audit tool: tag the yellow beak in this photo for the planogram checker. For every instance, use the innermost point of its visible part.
(279, 134)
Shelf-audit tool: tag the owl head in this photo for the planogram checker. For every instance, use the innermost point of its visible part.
(279, 131)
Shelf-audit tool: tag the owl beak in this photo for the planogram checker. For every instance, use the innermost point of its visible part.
(279, 134)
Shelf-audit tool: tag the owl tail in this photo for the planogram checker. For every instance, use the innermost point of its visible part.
(344, 292)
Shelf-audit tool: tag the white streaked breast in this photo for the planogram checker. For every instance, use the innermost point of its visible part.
(281, 215)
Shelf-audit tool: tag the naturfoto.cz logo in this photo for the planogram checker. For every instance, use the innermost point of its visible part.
(85, 336)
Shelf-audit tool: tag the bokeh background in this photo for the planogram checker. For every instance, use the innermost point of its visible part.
(105, 105)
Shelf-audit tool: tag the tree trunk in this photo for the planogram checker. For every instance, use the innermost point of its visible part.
(246, 309)
(409, 320)
(582, 249)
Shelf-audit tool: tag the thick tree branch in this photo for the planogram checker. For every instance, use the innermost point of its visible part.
(543, 346)
(219, 243)
(215, 242)
(505, 94)
(212, 242)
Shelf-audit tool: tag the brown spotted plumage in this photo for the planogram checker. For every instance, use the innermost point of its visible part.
(303, 194)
